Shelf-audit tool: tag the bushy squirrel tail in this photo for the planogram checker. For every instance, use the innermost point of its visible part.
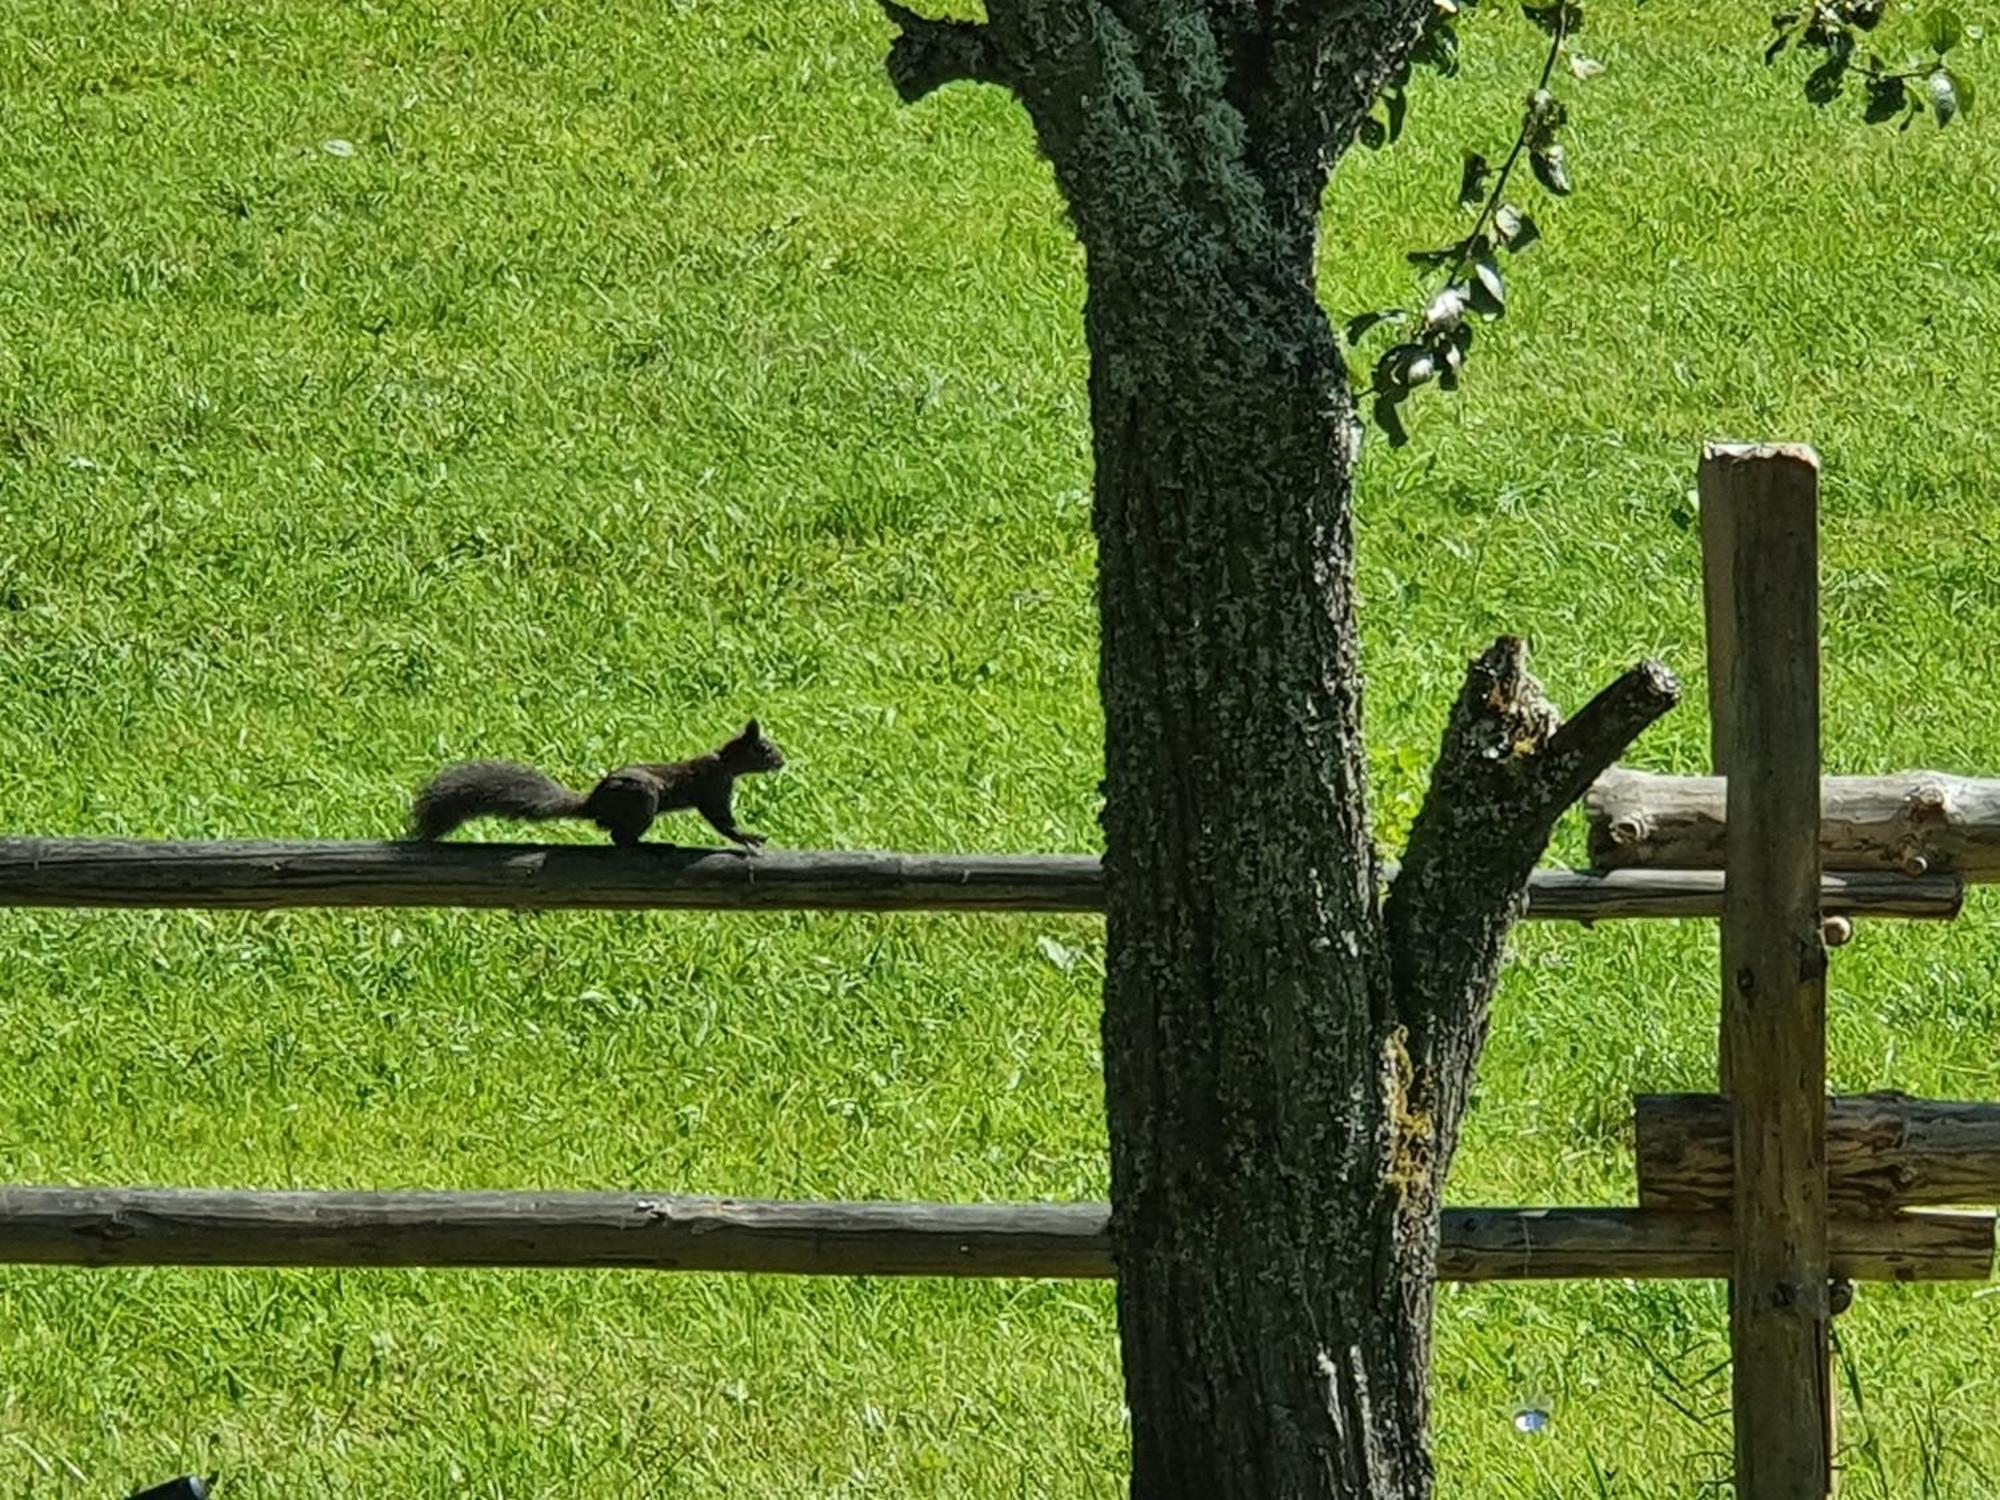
(483, 788)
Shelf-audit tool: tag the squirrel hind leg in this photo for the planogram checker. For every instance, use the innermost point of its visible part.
(624, 805)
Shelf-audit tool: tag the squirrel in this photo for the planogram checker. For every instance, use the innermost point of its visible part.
(623, 804)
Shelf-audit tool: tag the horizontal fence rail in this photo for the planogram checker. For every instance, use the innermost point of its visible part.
(1916, 822)
(182, 1227)
(268, 876)
(1883, 1152)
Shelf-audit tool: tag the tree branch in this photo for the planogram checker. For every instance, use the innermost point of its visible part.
(928, 54)
(1506, 771)
(1509, 765)
(1588, 745)
(1304, 74)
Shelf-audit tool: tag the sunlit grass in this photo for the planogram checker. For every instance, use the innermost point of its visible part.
(635, 367)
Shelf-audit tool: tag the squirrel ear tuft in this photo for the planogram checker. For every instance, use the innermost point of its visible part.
(751, 731)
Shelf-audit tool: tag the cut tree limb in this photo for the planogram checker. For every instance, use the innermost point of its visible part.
(1507, 769)
(1915, 822)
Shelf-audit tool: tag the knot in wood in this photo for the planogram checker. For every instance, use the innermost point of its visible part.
(1928, 803)
(1811, 1298)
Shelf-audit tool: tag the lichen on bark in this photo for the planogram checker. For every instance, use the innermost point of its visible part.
(1287, 1053)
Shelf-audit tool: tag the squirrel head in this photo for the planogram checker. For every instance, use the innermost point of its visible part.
(750, 751)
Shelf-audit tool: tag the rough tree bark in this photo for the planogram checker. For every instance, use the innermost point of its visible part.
(1287, 1054)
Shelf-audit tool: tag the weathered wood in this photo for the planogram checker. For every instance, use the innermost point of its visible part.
(1493, 1244)
(1883, 1152)
(1582, 896)
(659, 1231)
(1719, 518)
(268, 876)
(665, 1232)
(1914, 822)
(1760, 538)
(1718, 562)
(263, 876)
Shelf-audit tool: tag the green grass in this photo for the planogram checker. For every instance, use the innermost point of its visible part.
(644, 366)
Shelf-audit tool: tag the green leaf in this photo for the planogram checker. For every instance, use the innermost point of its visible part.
(1453, 361)
(1551, 170)
(1488, 291)
(1392, 370)
(1823, 84)
(1944, 96)
(1516, 230)
(1373, 134)
(1437, 49)
(1399, 106)
(1545, 115)
(1583, 68)
(1887, 98)
(1962, 86)
(1390, 421)
(1943, 30)
(1447, 310)
(1473, 178)
(1359, 325)
(1782, 26)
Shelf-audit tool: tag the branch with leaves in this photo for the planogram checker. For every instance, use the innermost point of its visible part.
(1439, 336)
(1473, 288)
(1926, 81)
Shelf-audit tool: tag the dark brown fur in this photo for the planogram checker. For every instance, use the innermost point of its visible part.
(623, 804)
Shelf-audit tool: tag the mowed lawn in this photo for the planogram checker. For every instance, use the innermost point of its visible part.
(387, 383)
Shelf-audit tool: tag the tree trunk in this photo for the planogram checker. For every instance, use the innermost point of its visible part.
(1287, 1055)
(1272, 1309)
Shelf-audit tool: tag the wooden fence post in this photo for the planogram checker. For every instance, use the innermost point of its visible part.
(1759, 526)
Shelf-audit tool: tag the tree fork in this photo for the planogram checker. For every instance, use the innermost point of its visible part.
(1285, 1059)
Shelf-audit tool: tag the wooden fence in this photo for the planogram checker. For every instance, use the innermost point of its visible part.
(541, 877)
(1766, 1183)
